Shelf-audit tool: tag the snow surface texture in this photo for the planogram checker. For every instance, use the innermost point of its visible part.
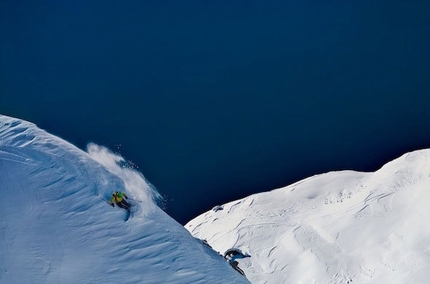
(339, 227)
(57, 227)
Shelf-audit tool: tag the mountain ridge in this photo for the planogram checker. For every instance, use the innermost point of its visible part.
(337, 227)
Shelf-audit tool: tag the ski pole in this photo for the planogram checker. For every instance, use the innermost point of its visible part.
(135, 200)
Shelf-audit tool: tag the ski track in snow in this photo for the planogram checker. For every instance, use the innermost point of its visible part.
(339, 227)
(57, 227)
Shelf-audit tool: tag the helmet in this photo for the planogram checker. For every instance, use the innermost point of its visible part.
(115, 193)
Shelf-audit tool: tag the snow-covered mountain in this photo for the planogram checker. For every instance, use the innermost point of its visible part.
(338, 227)
(56, 225)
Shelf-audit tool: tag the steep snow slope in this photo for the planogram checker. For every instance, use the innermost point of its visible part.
(56, 226)
(339, 227)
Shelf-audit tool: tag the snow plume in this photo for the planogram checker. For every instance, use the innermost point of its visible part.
(134, 182)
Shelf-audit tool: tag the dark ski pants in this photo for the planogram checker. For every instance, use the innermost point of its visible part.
(123, 204)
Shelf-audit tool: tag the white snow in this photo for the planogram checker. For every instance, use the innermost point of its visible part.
(56, 226)
(338, 227)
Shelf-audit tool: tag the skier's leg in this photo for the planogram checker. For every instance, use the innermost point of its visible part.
(123, 204)
(120, 204)
(126, 203)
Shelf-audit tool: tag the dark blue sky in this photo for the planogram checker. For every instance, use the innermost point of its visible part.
(216, 101)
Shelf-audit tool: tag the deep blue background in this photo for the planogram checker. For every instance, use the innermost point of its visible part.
(216, 100)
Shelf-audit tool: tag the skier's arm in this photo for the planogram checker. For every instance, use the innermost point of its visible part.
(112, 201)
(125, 195)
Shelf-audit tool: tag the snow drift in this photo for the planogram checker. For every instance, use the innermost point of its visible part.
(56, 225)
(339, 227)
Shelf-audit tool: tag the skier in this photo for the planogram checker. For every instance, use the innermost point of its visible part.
(118, 198)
